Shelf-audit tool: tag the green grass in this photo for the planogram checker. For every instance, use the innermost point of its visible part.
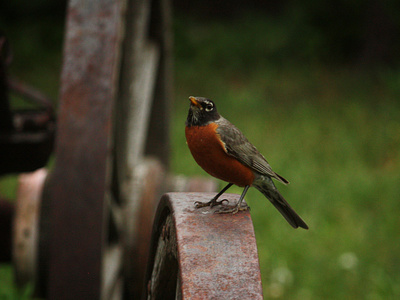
(8, 289)
(332, 131)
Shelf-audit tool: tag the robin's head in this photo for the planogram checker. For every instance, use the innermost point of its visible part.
(201, 112)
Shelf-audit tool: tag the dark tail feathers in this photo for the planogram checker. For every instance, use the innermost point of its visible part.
(283, 206)
(281, 179)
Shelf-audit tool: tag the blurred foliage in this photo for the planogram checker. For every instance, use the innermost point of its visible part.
(35, 32)
(307, 84)
(8, 291)
(352, 32)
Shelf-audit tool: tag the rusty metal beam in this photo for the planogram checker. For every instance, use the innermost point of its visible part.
(75, 192)
(158, 138)
(197, 254)
(26, 226)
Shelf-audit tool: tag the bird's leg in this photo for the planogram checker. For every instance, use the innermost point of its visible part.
(238, 206)
(213, 202)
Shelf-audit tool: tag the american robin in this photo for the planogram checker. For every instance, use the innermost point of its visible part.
(224, 152)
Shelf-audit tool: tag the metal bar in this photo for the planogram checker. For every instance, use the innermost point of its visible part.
(129, 93)
(112, 269)
(143, 85)
(30, 93)
(158, 137)
(26, 226)
(76, 189)
(216, 254)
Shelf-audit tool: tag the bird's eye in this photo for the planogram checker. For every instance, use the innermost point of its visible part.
(209, 107)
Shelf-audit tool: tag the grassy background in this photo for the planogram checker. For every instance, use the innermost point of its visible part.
(332, 130)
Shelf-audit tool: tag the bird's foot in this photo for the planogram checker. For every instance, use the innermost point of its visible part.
(232, 210)
(213, 202)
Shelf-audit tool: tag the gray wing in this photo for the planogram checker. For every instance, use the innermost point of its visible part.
(237, 145)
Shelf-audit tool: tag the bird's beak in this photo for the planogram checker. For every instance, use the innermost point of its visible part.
(194, 101)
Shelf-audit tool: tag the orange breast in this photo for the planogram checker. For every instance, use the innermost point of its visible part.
(209, 152)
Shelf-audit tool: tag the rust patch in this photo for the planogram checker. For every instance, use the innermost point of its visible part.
(217, 254)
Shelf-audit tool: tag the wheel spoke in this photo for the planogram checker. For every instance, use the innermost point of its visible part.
(116, 214)
(112, 272)
(143, 87)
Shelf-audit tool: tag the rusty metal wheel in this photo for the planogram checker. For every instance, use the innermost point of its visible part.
(98, 201)
(26, 226)
(141, 130)
(141, 135)
(197, 254)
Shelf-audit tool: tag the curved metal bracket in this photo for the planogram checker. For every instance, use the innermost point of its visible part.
(26, 226)
(197, 254)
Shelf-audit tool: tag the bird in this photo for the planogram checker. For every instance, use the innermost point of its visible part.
(223, 151)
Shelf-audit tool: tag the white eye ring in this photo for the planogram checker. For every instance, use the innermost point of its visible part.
(209, 107)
